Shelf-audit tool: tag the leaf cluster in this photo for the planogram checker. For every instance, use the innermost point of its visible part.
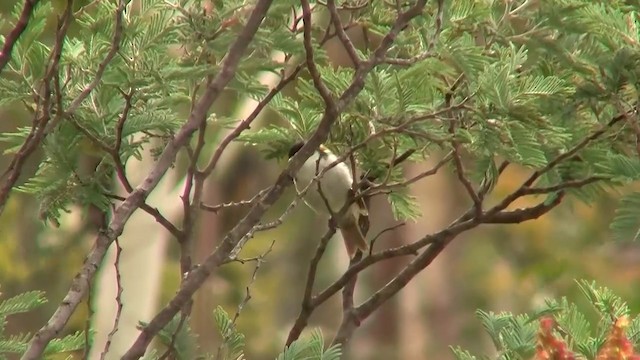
(515, 82)
(516, 336)
(182, 342)
(17, 344)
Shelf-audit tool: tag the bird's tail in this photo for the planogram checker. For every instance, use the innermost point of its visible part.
(353, 238)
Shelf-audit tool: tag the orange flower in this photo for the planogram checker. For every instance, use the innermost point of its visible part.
(549, 346)
(618, 346)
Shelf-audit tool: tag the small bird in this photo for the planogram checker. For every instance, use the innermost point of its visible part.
(335, 186)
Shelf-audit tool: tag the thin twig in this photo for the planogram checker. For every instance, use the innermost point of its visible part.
(197, 277)
(42, 115)
(171, 347)
(157, 215)
(486, 186)
(115, 152)
(596, 134)
(307, 305)
(277, 222)
(259, 260)
(116, 321)
(526, 185)
(570, 184)
(430, 47)
(246, 123)
(250, 202)
(385, 188)
(349, 7)
(462, 177)
(116, 41)
(382, 232)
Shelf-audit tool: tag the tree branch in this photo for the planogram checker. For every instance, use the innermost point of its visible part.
(432, 44)
(324, 92)
(342, 35)
(522, 215)
(116, 321)
(350, 320)
(307, 306)
(525, 188)
(14, 35)
(42, 115)
(122, 214)
(156, 214)
(563, 185)
(196, 277)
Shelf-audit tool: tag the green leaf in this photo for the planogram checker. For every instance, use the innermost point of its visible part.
(274, 141)
(461, 354)
(68, 343)
(232, 345)
(528, 150)
(608, 305)
(178, 333)
(404, 206)
(22, 303)
(626, 222)
(311, 348)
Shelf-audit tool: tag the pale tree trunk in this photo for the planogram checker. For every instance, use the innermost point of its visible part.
(378, 339)
(427, 305)
(233, 176)
(143, 244)
(421, 316)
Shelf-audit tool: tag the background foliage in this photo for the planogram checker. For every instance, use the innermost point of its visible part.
(482, 82)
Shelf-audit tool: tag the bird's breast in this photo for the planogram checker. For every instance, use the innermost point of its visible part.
(335, 183)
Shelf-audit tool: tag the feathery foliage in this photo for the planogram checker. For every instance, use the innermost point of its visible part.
(17, 344)
(527, 337)
(181, 339)
(525, 88)
(473, 86)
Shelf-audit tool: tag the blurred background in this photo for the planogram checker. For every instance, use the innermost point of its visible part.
(496, 268)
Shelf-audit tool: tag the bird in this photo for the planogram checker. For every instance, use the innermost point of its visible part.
(333, 193)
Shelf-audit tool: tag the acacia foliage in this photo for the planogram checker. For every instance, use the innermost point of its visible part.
(480, 85)
(525, 83)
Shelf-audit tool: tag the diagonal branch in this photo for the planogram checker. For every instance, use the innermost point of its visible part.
(155, 213)
(430, 47)
(526, 189)
(342, 35)
(324, 92)
(522, 215)
(307, 304)
(570, 184)
(560, 158)
(14, 35)
(116, 40)
(122, 214)
(197, 277)
(438, 244)
(43, 113)
(246, 123)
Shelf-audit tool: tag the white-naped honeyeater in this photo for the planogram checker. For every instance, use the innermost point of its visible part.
(333, 193)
